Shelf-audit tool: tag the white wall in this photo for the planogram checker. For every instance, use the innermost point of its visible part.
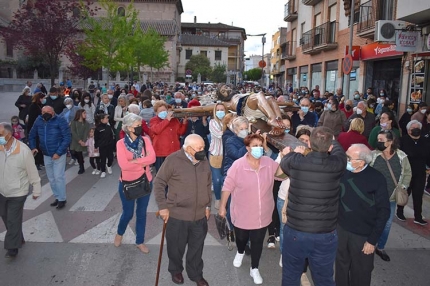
(210, 55)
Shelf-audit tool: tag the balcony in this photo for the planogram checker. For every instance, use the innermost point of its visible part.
(320, 38)
(290, 11)
(283, 40)
(289, 51)
(311, 2)
(366, 22)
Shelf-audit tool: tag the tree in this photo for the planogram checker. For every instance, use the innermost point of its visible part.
(199, 64)
(219, 73)
(43, 29)
(109, 39)
(77, 68)
(253, 74)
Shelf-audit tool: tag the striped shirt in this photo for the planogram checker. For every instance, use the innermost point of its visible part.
(215, 129)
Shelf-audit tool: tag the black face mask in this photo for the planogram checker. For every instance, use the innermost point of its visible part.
(416, 132)
(46, 116)
(138, 130)
(381, 146)
(200, 155)
(348, 107)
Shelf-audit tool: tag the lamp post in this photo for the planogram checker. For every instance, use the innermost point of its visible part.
(263, 41)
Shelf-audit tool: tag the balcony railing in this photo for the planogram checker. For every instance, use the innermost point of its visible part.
(311, 2)
(290, 11)
(366, 22)
(320, 38)
(289, 51)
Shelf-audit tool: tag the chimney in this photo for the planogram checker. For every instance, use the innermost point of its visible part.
(195, 19)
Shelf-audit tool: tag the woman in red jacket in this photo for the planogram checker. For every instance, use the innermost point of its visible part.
(354, 135)
(165, 131)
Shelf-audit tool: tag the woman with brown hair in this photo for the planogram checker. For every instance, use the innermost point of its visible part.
(80, 129)
(23, 103)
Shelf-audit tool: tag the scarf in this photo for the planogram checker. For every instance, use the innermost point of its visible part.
(135, 146)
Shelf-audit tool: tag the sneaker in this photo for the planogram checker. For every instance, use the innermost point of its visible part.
(94, 172)
(237, 262)
(400, 216)
(280, 261)
(98, 172)
(72, 161)
(76, 163)
(278, 238)
(271, 242)
(217, 205)
(255, 274)
(103, 175)
(109, 169)
(420, 222)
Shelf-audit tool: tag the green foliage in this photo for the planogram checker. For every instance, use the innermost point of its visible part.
(199, 64)
(253, 74)
(180, 79)
(219, 73)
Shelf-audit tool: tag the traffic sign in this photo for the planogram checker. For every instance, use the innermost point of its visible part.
(188, 72)
(262, 64)
(347, 64)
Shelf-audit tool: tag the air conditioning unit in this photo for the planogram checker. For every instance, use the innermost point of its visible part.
(385, 30)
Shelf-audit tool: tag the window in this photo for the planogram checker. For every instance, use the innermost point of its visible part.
(217, 55)
(387, 10)
(9, 49)
(204, 53)
(188, 54)
(302, 29)
(121, 11)
(221, 35)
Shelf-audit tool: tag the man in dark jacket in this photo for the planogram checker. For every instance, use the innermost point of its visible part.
(363, 212)
(54, 100)
(186, 208)
(54, 137)
(312, 208)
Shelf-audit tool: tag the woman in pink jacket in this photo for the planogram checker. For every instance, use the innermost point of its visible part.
(135, 154)
(250, 183)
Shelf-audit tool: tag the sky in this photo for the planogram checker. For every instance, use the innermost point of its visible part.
(243, 14)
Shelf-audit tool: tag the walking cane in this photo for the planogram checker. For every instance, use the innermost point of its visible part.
(160, 255)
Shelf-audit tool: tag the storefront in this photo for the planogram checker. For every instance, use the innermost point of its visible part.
(419, 78)
(316, 75)
(383, 69)
(331, 76)
(303, 76)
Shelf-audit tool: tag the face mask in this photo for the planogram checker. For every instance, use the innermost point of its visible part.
(3, 141)
(162, 114)
(153, 102)
(359, 111)
(409, 110)
(110, 96)
(43, 101)
(220, 114)
(242, 133)
(287, 131)
(381, 94)
(257, 152)
(69, 106)
(383, 125)
(380, 146)
(348, 107)
(357, 96)
(416, 132)
(423, 111)
(178, 100)
(86, 100)
(46, 116)
(325, 108)
(137, 130)
(328, 106)
(168, 98)
(53, 97)
(349, 167)
(199, 156)
(305, 109)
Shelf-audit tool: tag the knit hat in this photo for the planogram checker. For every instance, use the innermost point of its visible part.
(193, 103)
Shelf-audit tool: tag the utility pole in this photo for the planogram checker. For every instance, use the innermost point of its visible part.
(351, 35)
(263, 41)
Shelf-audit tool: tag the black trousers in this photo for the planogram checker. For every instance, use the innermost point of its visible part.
(256, 236)
(11, 211)
(274, 226)
(95, 162)
(80, 157)
(416, 188)
(353, 267)
(179, 234)
(106, 153)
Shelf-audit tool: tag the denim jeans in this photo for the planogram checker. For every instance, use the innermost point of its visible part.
(127, 215)
(55, 170)
(217, 181)
(279, 205)
(384, 236)
(319, 248)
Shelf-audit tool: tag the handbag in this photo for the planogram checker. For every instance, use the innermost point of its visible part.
(222, 226)
(215, 161)
(400, 194)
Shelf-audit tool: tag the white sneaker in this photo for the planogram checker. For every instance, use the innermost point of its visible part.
(109, 169)
(280, 261)
(255, 274)
(103, 175)
(237, 262)
(72, 161)
(94, 171)
(98, 172)
(217, 204)
(278, 238)
(76, 163)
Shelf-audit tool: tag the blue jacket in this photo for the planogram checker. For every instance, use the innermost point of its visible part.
(54, 135)
(234, 149)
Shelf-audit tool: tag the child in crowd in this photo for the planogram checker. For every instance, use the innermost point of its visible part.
(104, 141)
(18, 128)
(93, 153)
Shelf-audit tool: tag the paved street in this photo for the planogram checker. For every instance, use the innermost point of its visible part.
(74, 246)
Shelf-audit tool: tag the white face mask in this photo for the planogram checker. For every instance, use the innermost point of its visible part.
(69, 106)
(423, 111)
(110, 96)
(359, 111)
(86, 100)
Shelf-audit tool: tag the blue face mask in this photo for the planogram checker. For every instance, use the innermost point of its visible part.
(287, 131)
(328, 106)
(43, 101)
(53, 97)
(178, 100)
(349, 167)
(257, 152)
(220, 114)
(162, 114)
(3, 141)
(305, 109)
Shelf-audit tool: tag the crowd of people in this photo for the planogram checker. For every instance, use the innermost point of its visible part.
(314, 200)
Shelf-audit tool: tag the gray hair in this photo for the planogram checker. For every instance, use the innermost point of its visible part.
(239, 121)
(364, 152)
(190, 139)
(364, 104)
(123, 96)
(408, 126)
(7, 126)
(134, 108)
(68, 99)
(128, 121)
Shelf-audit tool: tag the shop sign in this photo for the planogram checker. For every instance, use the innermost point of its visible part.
(417, 81)
(355, 52)
(407, 41)
(378, 50)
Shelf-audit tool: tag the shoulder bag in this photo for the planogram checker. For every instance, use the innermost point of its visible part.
(400, 194)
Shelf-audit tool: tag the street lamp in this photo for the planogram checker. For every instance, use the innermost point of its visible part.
(263, 41)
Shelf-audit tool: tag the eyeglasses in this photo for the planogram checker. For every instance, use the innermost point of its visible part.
(349, 159)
